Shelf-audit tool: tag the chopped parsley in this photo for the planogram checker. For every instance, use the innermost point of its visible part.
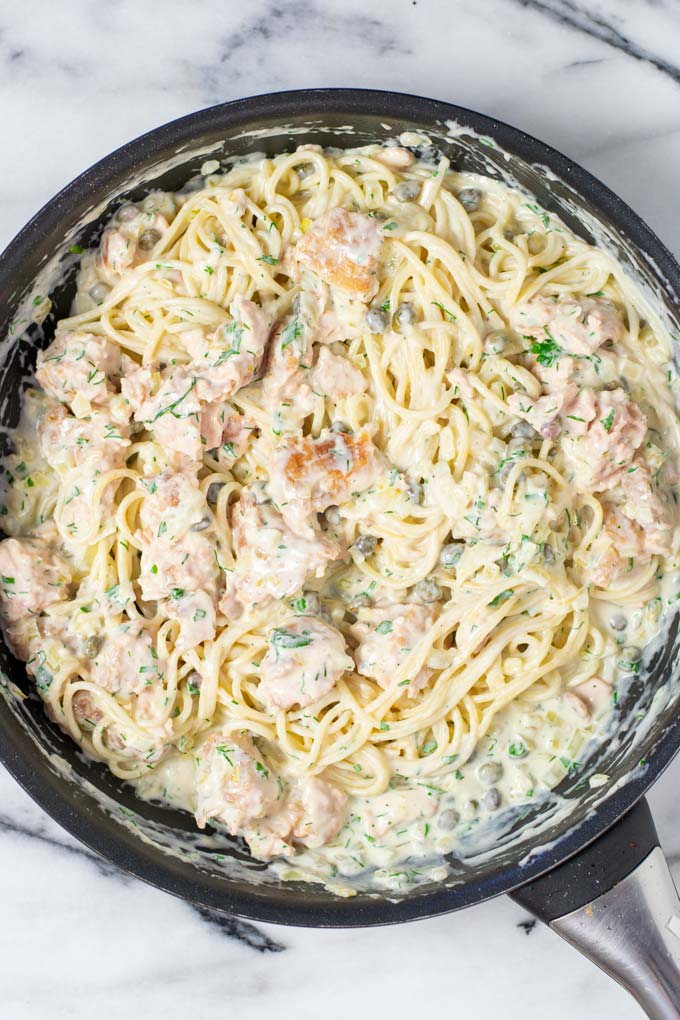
(607, 422)
(445, 311)
(546, 351)
(43, 677)
(570, 766)
(282, 638)
(518, 749)
(170, 409)
(291, 333)
(234, 333)
(225, 752)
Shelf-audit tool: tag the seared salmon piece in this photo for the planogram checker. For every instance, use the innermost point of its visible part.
(343, 249)
(308, 475)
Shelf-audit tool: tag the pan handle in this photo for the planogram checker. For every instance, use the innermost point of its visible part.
(616, 903)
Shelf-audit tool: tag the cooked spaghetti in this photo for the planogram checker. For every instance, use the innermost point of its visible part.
(345, 468)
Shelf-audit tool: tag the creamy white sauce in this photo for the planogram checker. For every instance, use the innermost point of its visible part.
(399, 836)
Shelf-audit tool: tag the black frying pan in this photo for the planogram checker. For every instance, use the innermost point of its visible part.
(593, 871)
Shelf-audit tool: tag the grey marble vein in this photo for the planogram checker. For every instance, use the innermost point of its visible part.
(243, 931)
(20, 59)
(257, 43)
(234, 928)
(276, 22)
(10, 827)
(583, 19)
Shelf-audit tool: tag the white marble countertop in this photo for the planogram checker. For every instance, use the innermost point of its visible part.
(600, 80)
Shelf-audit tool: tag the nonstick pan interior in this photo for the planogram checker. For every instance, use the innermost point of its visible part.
(164, 847)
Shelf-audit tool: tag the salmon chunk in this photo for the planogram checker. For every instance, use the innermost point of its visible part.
(128, 242)
(605, 443)
(308, 475)
(33, 577)
(127, 661)
(322, 814)
(343, 249)
(386, 635)
(336, 376)
(272, 561)
(305, 660)
(572, 327)
(645, 506)
(80, 364)
(237, 431)
(168, 406)
(234, 786)
(194, 611)
(173, 504)
(96, 442)
(229, 358)
(311, 814)
(174, 566)
(636, 527)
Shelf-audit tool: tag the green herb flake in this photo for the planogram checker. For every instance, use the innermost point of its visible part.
(291, 333)
(282, 638)
(225, 751)
(445, 311)
(607, 422)
(546, 351)
(234, 333)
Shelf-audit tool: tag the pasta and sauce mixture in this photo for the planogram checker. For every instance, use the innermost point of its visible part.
(344, 502)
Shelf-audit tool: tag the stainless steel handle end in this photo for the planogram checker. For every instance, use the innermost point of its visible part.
(633, 933)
